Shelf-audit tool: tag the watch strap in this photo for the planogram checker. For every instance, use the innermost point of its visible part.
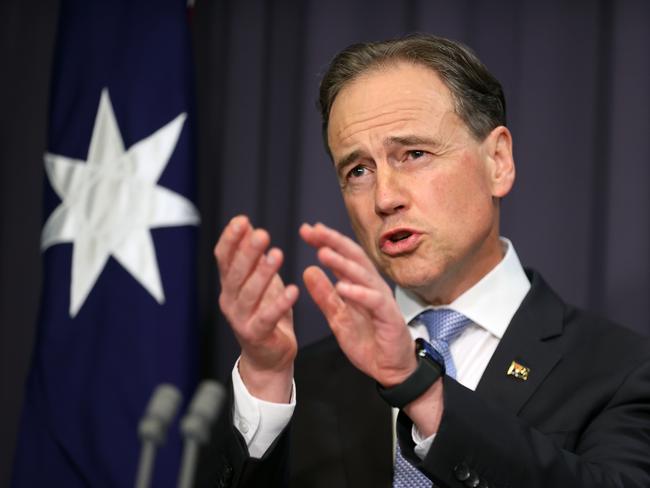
(426, 373)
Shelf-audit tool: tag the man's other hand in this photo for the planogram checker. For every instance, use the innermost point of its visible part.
(366, 321)
(360, 308)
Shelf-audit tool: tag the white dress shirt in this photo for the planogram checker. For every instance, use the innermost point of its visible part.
(490, 304)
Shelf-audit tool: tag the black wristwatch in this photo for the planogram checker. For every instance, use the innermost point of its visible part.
(431, 366)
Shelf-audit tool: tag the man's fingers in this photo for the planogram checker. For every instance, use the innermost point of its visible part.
(253, 289)
(370, 299)
(229, 241)
(320, 235)
(246, 257)
(273, 310)
(323, 292)
(348, 270)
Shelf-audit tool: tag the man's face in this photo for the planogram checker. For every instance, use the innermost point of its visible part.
(419, 189)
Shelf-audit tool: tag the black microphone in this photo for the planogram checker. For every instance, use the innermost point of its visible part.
(152, 428)
(195, 426)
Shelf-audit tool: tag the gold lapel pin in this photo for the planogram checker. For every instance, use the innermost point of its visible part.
(518, 371)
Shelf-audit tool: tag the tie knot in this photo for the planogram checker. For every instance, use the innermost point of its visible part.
(443, 324)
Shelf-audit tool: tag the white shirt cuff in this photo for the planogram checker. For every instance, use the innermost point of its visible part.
(422, 446)
(258, 421)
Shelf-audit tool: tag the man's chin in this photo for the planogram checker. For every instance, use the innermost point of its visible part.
(412, 278)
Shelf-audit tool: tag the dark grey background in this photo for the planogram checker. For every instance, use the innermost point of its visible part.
(576, 75)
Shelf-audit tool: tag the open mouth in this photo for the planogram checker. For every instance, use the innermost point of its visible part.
(399, 241)
(399, 236)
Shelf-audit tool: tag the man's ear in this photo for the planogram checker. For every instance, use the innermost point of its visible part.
(501, 164)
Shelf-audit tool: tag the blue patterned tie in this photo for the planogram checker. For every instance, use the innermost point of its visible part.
(444, 326)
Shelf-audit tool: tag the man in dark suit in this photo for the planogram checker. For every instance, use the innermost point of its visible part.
(536, 393)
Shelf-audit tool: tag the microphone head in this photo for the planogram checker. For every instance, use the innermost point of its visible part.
(207, 400)
(161, 410)
(203, 409)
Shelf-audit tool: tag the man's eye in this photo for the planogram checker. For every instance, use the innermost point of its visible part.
(415, 154)
(356, 172)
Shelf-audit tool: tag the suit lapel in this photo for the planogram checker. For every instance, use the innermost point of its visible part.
(532, 340)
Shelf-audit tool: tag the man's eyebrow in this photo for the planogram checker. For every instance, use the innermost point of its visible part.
(350, 158)
(391, 141)
(412, 141)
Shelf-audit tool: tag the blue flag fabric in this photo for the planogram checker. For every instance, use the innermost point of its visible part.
(118, 312)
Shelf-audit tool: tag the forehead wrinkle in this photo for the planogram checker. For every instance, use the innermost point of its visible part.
(361, 116)
(350, 130)
(412, 140)
(362, 110)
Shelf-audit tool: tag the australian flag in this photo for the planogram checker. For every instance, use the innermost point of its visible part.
(118, 311)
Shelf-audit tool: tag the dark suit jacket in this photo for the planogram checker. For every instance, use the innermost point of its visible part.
(581, 420)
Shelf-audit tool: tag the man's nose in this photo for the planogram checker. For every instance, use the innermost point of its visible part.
(390, 195)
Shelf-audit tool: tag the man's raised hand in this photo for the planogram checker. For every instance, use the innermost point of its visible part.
(360, 308)
(257, 306)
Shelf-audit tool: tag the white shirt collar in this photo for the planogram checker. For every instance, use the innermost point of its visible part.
(491, 303)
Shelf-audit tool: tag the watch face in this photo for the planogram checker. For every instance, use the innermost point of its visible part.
(425, 350)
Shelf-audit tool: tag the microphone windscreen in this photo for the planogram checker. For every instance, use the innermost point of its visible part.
(160, 411)
(204, 408)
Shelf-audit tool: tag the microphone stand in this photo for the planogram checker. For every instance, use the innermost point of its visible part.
(195, 426)
(153, 427)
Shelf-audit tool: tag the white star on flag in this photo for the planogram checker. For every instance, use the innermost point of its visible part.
(111, 201)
